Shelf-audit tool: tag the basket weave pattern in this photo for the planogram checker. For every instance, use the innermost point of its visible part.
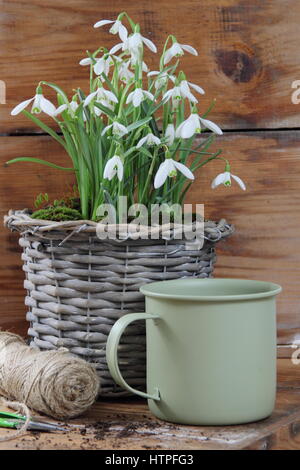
(76, 290)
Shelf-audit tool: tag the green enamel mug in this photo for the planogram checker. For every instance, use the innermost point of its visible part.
(211, 350)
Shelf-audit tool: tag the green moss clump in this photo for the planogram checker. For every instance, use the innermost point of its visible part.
(57, 213)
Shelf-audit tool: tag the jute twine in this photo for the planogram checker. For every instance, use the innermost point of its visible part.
(55, 383)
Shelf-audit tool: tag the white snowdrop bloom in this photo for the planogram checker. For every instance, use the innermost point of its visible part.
(176, 95)
(71, 109)
(137, 96)
(225, 178)
(192, 125)
(185, 86)
(136, 40)
(125, 73)
(169, 168)
(116, 28)
(101, 65)
(132, 45)
(40, 103)
(170, 134)
(100, 95)
(149, 139)
(186, 92)
(117, 129)
(162, 78)
(113, 167)
(177, 50)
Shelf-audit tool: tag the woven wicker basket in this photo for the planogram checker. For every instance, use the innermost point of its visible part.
(78, 286)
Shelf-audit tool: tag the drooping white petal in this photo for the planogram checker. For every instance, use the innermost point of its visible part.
(46, 106)
(137, 97)
(99, 66)
(211, 126)
(187, 128)
(102, 23)
(149, 44)
(162, 173)
(239, 181)
(114, 166)
(153, 73)
(219, 179)
(184, 170)
(86, 61)
(89, 98)
(21, 106)
(135, 41)
(170, 134)
(154, 140)
(168, 56)
(120, 170)
(189, 49)
(167, 95)
(116, 48)
(109, 95)
(148, 95)
(144, 67)
(197, 88)
(123, 33)
(184, 88)
(106, 129)
(141, 142)
(129, 97)
(60, 109)
(119, 129)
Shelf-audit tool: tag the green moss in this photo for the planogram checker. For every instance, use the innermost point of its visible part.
(57, 213)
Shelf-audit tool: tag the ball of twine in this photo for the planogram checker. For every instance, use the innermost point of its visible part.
(51, 382)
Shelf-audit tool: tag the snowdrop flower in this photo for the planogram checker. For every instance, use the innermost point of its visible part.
(117, 129)
(225, 178)
(132, 45)
(183, 91)
(136, 40)
(102, 64)
(192, 125)
(102, 95)
(40, 103)
(137, 96)
(60, 109)
(162, 79)
(113, 167)
(117, 28)
(176, 95)
(124, 73)
(177, 50)
(149, 139)
(169, 168)
(71, 109)
(170, 134)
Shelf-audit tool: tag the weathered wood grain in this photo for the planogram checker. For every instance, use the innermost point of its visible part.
(266, 216)
(248, 51)
(129, 425)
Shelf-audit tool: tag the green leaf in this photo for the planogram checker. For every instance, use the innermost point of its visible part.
(139, 123)
(106, 110)
(145, 152)
(45, 128)
(38, 160)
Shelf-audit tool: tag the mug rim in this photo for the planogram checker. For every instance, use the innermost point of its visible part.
(273, 289)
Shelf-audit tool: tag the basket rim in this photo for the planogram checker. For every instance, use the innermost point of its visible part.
(20, 220)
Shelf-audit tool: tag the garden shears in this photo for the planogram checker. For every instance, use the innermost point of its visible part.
(15, 421)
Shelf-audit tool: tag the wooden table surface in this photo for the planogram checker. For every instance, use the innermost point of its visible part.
(127, 424)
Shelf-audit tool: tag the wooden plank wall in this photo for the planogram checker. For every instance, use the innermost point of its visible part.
(248, 59)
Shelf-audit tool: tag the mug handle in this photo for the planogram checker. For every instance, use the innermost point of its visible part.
(112, 351)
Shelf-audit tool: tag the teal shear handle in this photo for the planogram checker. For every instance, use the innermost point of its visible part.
(15, 421)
